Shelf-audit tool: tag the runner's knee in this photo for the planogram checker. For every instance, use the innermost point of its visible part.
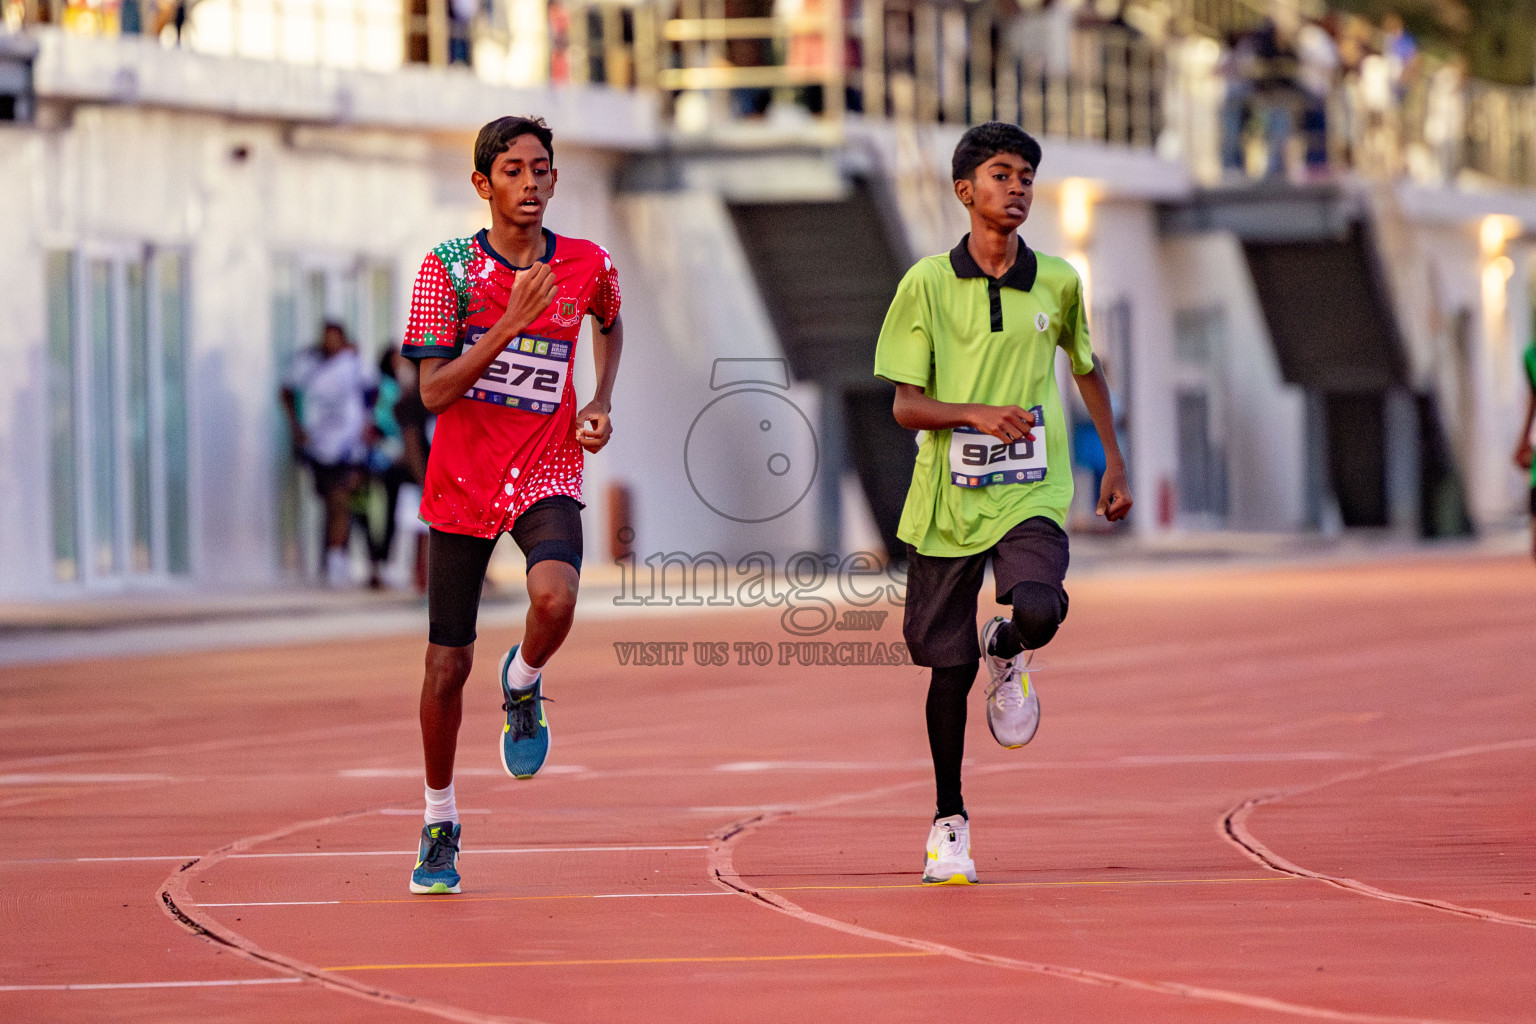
(448, 667)
(1037, 613)
(553, 599)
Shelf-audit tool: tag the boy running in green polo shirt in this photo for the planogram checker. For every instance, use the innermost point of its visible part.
(970, 343)
(1523, 452)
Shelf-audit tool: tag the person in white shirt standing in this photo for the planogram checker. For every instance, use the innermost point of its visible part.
(327, 394)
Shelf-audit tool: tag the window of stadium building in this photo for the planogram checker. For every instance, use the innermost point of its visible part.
(117, 413)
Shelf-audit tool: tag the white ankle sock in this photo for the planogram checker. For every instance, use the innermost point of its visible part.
(440, 805)
(520, 676)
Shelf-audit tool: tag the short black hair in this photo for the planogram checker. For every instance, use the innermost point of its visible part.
(495, 137)
(984, 141)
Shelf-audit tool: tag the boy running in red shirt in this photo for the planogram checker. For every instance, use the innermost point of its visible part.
(494, 324)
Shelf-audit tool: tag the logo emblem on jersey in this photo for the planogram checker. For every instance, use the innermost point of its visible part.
(1042, 321)
(565, 313)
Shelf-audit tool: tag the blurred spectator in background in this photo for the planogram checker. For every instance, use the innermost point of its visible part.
(1352, 35)
(166, 14)
(1319, 72)
(1239, 71)
(1378, 128)
(1402, 54)
(1042, 36)
(1261, 85)
(1445, 118)
(130, 18)
(1278, 97)
(807, 47)
(327, 394)
(749, 53)
(394, 461)
(461, 22)
(559, 42)
(416, 426)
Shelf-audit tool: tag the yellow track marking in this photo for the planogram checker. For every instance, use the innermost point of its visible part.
(637, 960)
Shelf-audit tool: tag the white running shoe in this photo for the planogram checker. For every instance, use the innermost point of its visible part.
(949, 853)
(1013, 708)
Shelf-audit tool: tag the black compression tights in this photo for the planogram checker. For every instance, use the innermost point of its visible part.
(1037, 613)
(946, 732)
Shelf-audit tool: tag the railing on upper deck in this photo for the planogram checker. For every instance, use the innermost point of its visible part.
(957, 64)
(942, 61)
(727, 63)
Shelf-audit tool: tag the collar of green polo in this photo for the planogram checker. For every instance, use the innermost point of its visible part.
(1021, 275)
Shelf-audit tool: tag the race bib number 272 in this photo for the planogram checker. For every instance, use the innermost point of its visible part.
(529, 374)
(981, 460)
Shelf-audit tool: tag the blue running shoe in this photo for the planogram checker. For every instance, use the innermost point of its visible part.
(525, 737)
(436, 859)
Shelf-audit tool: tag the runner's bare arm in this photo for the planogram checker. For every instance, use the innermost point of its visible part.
(444, 381)
(593, 427)
(915, 409)
(1115, 491)
(1523, 451)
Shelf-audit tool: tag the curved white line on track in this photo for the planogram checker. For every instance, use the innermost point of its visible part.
(176, 900)
(723, 872)
(1234, 828)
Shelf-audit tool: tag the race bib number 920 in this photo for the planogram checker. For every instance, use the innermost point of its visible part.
(529, 374)
(981, 460)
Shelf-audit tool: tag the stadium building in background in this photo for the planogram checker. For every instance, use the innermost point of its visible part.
(1310, 290)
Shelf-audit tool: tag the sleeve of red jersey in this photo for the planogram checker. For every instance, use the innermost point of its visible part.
(605, 298)
(433, 329)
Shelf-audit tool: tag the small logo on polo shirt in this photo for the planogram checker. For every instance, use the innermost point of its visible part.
(1042, 321)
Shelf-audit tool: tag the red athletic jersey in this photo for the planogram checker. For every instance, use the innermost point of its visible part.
(511, 439)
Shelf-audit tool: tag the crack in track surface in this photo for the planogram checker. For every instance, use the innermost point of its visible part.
(1234, 826)
(176, 900)
(723, 873)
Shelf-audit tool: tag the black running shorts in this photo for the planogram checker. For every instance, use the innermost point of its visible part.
(548, 530)
(940, 618)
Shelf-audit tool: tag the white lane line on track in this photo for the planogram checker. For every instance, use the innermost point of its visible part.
(95, 987)
(1125, 760)
(1234, 828)
(78, 778)
(471, 850)
(585, 896)
(360, 853)
(722, 869)
(646, 895)
(821, 766)
(180, 906)
(279, 903)
(1256, 758)
(411, 773)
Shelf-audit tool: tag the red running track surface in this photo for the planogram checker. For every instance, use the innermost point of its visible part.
(1296, 794)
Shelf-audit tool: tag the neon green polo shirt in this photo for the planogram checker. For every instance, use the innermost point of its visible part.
(965, 337)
